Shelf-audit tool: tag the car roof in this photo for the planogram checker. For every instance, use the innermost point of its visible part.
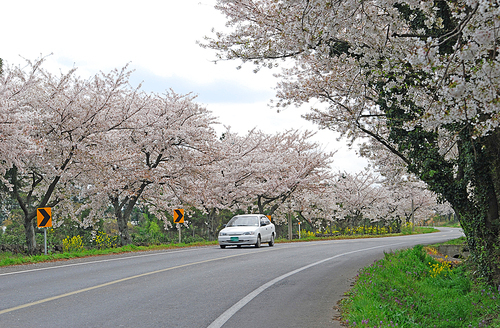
(250, 215)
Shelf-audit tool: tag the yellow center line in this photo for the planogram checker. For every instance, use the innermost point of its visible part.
(53, 298)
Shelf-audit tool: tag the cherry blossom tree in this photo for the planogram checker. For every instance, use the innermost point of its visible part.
(411, 200)
(404, 188)
(354, 200)
(223, 184)
(318, 207)
(290, 162)
(257, 172)
(358, 195)
(170, 138)
(48, 126)
(419, 77)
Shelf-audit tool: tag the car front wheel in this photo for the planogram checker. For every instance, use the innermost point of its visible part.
(271, 242)
(257, 244)
(222, 246)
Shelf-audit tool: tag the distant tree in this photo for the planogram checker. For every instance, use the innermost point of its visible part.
(315, 206)
(290, 162)
(223, 184)
(358, 195)
(404, 187)
(256, 172)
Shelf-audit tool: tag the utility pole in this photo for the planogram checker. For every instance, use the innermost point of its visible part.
(412, 216)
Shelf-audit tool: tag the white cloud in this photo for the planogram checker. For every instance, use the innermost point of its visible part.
(244, 117)
(220, 90)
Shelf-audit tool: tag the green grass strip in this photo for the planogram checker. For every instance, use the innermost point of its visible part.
(7, 259)
(411, 289)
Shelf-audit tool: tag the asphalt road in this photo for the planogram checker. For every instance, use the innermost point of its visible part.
(288, 285)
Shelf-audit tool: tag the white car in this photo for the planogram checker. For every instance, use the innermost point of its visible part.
(249, 229)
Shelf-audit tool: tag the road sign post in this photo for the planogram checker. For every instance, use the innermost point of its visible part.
(44, 220)
(45, 239)
(178, 219)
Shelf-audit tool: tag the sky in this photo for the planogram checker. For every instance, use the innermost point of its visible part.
(158, 40)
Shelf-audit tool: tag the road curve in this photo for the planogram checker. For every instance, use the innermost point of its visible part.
(288, 285)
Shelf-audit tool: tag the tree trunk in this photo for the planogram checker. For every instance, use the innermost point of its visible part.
(493, 151)
(212, 235)
(26, 200)
(479, 216)
(121, 220)
(489, 232)
(123, 210)
(29, 217)
(29, 229)
(125, 238)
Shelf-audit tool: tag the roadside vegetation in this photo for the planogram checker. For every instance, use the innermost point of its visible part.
(66, 244)
(411, 288)
(8, 258)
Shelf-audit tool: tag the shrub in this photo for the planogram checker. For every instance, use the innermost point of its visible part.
(73, 244)
(103, 240)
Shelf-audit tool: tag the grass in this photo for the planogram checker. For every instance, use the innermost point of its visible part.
(418, 230)
(409, 288)
(458, 241)
(7, 258)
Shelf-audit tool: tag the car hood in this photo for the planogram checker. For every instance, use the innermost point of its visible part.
(239, 230)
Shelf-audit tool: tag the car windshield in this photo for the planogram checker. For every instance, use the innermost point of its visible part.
(239, 221)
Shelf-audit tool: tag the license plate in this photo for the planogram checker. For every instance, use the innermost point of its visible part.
(235, 239)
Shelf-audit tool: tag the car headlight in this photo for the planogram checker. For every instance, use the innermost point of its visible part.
(222, 234)
(249, 233)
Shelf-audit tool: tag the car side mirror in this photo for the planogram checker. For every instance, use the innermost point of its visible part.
(224, 225)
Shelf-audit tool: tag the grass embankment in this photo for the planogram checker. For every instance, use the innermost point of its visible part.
(406, 231)
(410, 288)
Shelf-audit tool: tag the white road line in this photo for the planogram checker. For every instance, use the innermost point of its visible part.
(45, 300)
(224, 317)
